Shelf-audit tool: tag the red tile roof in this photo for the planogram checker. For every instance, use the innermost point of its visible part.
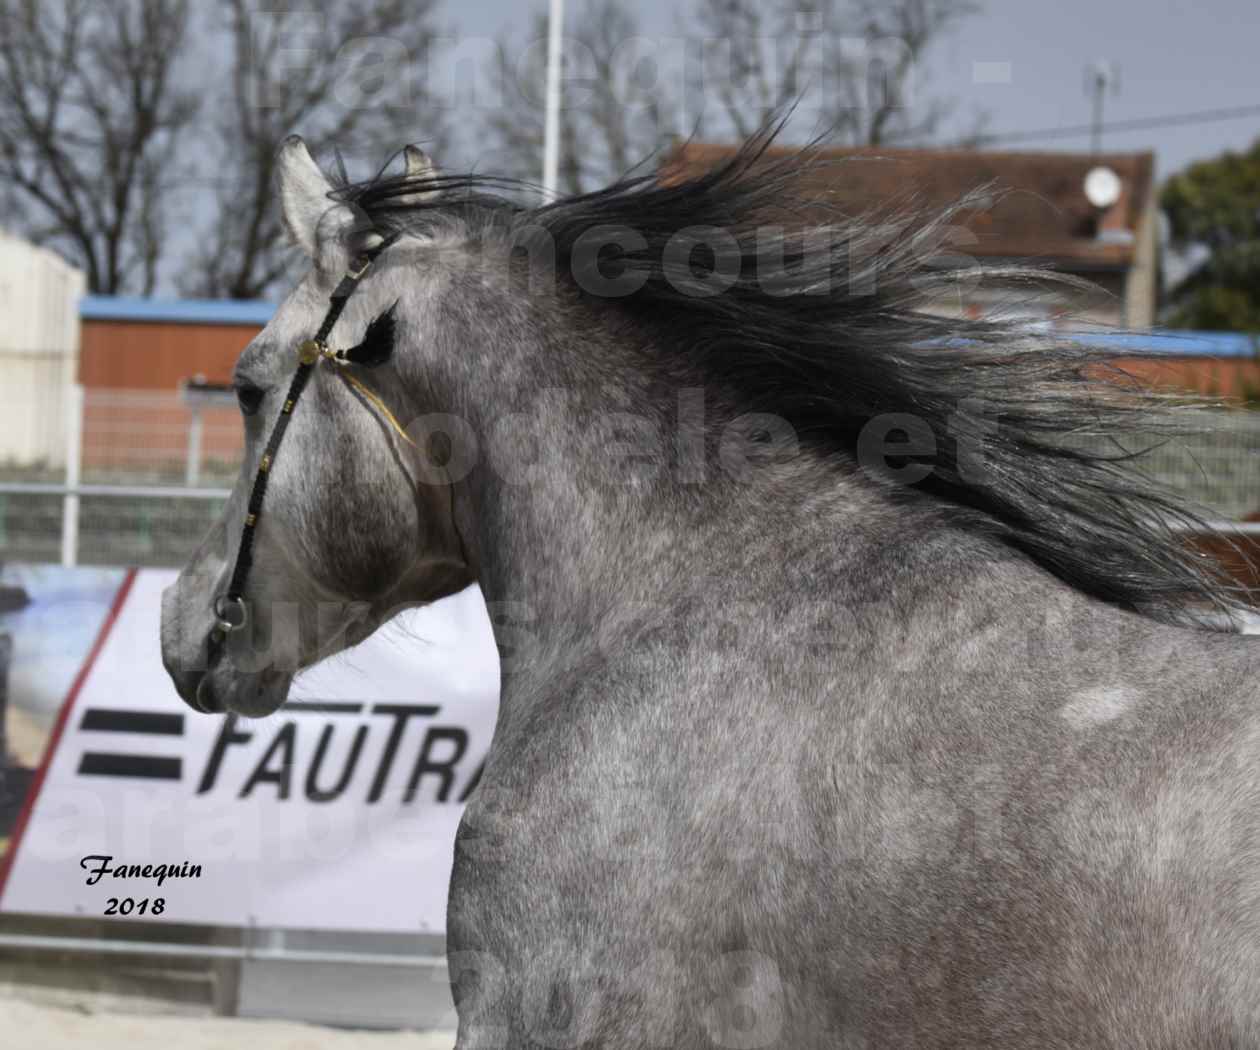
(1043, 215)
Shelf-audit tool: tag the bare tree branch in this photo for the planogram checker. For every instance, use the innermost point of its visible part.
(612, 118)
(90, 118)
(348, 77)
(856, 66)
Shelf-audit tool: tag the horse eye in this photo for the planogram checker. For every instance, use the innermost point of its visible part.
(378, 342)
(249, 397)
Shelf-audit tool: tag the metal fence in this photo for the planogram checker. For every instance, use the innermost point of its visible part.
(137, 479)
(1214, 464)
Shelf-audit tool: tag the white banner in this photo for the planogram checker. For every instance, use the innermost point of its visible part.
(337, 812)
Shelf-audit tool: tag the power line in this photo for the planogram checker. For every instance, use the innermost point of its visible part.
(1081, 130)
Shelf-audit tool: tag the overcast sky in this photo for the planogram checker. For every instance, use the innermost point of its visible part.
(1030, 55)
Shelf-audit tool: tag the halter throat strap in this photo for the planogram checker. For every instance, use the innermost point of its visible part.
(231, 611)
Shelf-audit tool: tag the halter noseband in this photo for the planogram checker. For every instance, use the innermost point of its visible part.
(231, 611)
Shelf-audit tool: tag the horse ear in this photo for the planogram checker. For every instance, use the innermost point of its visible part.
(304, 193)
(419, 166)
(419, 169)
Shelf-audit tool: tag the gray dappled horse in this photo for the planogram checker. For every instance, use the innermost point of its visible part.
(846, 701)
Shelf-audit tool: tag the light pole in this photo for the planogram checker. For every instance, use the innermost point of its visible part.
(551, 133)
(1099, 78)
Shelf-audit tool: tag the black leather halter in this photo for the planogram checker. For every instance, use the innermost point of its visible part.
(231, 611)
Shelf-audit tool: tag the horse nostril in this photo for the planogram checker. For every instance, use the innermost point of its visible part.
(204, 699)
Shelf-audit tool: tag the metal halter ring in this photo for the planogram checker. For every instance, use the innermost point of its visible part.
(224, 606)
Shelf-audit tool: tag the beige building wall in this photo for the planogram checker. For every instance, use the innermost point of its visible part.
(39, 352)
(1141, 290)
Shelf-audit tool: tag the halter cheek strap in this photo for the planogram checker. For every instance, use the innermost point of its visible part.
(231, 611)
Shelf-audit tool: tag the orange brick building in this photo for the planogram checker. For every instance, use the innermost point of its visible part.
(135, 357)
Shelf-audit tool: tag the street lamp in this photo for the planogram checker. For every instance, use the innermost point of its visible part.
(551, 132)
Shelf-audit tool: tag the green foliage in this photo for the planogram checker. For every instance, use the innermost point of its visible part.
(1216, 204)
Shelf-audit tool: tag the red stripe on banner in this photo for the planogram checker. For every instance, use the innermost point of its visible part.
(63, 716)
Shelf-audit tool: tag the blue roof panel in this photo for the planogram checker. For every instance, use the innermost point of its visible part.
(259, 312)
(1168, 341)
(179, 311)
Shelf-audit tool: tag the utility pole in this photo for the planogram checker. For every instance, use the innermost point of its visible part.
(551, 132)
(1100, 77)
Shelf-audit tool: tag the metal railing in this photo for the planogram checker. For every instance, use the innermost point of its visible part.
(103, 946)
(1214, 464)
(143, 525)
(136, 478)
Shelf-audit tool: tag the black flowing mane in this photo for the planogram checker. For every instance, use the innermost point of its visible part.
(837, 338)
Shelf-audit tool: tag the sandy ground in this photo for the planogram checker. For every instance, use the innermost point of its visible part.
(27, 1026)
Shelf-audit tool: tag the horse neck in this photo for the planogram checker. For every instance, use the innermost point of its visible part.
(577, 548)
